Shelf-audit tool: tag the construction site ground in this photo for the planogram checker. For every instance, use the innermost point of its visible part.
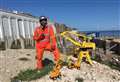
(12, 61)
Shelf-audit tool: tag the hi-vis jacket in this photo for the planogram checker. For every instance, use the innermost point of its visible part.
(49, 37)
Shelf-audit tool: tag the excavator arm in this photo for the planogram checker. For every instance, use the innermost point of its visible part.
(83, 45)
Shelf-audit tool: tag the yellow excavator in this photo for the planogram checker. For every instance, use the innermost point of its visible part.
(84, 47)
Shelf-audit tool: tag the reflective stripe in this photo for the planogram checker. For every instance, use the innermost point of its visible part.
(47, 36)
(44, 40)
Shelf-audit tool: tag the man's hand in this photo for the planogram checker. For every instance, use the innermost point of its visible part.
(53, 47)
(42, 36)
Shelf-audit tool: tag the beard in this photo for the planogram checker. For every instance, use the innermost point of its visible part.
(43, 24)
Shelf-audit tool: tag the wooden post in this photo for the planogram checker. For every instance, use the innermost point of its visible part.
(119, 49)
(107, 46)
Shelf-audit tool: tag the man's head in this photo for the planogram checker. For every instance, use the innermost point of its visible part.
(43, 21)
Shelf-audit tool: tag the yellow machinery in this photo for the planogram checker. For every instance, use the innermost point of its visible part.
(55, 73)
(84, 48)
(84, 52)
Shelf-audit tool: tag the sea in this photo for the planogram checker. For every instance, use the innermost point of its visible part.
(106, 33)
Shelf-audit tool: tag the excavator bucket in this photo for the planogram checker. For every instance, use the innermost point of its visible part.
(55, 73)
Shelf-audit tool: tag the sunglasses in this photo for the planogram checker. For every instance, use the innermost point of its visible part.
(43, 20)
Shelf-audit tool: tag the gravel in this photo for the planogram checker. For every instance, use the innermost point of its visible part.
(11, 65)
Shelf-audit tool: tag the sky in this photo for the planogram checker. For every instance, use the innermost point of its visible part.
(85, 15)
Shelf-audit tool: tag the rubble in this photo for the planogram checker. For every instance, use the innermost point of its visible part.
(96, 73)
(10, 66)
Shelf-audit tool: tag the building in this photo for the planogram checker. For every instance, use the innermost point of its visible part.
(15, 26)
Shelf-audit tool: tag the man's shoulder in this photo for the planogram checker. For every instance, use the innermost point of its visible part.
(37, 27)
(49, 25)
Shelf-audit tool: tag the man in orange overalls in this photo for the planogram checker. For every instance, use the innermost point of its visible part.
(43, 35)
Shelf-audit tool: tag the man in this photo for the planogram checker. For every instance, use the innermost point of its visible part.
(45, 40)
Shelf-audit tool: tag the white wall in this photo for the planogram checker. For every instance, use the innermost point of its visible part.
(14, 26)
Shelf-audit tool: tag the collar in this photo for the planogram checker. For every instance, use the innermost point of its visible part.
(44, 27)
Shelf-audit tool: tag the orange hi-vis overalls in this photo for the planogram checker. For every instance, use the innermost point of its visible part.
(45, 44)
